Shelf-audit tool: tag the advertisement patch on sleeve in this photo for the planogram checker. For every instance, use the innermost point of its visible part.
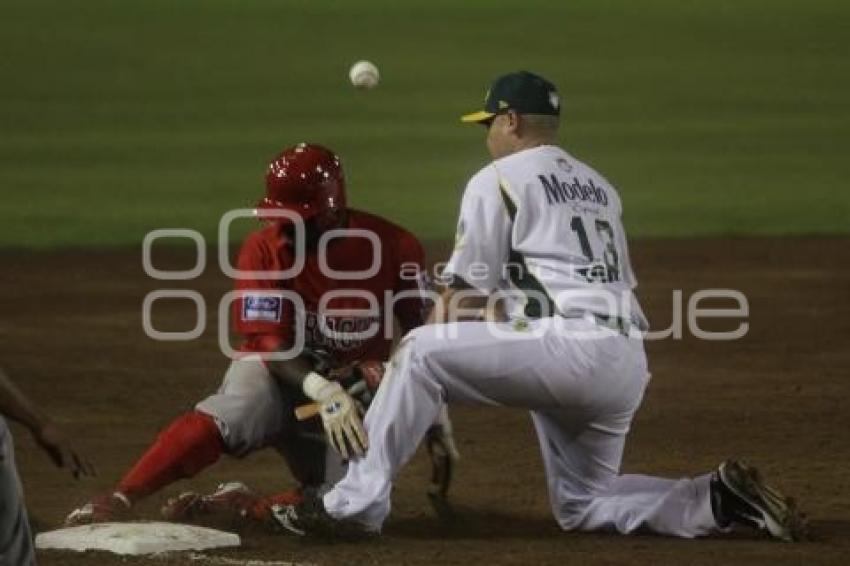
(262, 308)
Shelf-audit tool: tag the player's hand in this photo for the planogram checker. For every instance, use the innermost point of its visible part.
(361, 381)
(372, 372)
(342, 421)
(341, 415)
(54, 442)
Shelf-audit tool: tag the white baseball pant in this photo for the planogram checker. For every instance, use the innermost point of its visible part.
(16, 545)
(582, 384)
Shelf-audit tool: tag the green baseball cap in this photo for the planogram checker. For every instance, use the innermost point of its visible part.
(522, 92)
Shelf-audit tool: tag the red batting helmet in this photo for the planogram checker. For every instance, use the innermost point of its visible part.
(306, 179)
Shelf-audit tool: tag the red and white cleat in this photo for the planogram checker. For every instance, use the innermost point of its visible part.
(230, 500)
(101, 509)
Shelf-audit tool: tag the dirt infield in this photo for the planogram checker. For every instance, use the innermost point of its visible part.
(72, 337)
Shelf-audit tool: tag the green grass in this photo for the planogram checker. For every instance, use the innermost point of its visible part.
(712, 117)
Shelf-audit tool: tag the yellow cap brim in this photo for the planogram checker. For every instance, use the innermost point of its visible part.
(476, 117)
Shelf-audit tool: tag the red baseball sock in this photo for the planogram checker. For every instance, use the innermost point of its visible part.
(190, 444)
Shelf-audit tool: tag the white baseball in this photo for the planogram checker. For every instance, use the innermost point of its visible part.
(364, 74)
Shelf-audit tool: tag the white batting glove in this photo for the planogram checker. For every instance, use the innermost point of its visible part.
(340, 415)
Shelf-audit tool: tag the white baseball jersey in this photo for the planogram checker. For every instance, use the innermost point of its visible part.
(543, 223)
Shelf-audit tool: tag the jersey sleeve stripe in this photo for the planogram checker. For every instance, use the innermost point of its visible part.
(524, 280)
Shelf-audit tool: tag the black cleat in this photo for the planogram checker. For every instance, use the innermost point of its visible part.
(309, 518)
(739, 496)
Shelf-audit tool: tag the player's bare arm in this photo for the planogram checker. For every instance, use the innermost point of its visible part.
(15, 405)
(291, 372)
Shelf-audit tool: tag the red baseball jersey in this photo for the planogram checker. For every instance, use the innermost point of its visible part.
(338, 311)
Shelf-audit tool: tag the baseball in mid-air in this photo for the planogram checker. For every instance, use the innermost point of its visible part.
(364, 74)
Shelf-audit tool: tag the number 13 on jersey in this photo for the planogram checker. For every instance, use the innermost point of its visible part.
(599, 270)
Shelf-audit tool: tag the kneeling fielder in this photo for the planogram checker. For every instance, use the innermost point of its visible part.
(567, 354)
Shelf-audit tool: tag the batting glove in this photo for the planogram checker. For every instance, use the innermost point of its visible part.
(340, 415)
